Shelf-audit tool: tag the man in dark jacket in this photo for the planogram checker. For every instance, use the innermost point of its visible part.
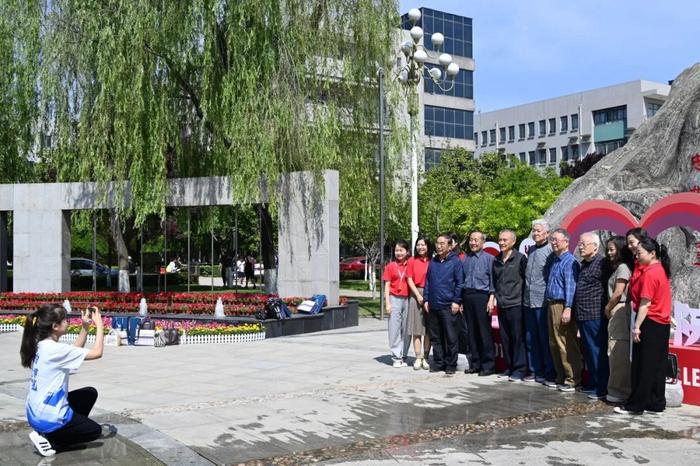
(509, 283)
(443, 297)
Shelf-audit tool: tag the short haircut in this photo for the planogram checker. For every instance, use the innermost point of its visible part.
(594, 237)
(540, 221)
(563, 232)
(511, 233)
(483, 236)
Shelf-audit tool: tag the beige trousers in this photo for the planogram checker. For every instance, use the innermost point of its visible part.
(619, 383)
(564, 346)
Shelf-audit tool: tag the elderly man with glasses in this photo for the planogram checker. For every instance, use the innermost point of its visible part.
(561, 288)
(589, 302)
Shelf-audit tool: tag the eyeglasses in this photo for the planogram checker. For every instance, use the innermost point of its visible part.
(584, 244)
(557, 240)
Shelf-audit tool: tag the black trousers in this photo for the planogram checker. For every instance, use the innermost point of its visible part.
(80, 429)
(443, 327)
(649, 359)
(480, 336)
(510, 321)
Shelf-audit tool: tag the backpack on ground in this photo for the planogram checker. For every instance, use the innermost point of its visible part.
(313, 305)
(275, 308)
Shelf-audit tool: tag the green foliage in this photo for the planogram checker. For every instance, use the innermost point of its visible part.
(489, 193)
(146, 90)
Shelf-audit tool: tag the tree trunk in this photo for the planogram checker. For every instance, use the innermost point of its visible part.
(122, 251)
(267, 247)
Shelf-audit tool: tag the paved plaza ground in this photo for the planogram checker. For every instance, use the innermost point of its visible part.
(331, 398)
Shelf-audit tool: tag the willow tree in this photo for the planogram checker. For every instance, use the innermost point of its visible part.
(145, 90)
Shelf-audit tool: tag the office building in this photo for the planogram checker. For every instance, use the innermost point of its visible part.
(567, 128)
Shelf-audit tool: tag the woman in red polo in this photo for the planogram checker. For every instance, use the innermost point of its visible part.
(416, 271)
(396, 302)
(650, 292)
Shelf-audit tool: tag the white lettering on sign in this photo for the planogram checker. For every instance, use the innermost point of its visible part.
(694, 379)
(687, 324)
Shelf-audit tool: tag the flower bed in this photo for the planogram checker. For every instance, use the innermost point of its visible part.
(192, 332)
(235, 304)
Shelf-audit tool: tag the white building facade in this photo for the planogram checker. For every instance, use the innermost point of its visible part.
(568, 128)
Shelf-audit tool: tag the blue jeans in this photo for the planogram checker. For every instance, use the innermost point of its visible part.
(594, 337)
(537, 342)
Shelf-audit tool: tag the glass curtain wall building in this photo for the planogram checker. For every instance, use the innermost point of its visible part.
(446, 118)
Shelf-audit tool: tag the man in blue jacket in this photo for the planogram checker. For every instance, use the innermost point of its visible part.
(443, 298)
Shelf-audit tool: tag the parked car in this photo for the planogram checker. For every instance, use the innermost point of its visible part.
(81, 267)
(353, 265)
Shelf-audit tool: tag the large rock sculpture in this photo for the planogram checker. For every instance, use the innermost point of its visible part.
(660, 158)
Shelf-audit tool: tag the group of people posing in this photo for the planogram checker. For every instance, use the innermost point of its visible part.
(619, 302)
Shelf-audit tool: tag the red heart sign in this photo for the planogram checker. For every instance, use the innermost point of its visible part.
(682, 209)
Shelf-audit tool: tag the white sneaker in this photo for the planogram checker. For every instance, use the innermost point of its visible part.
(399, 363)
(41, 444)
(418, 364)
(426, 365)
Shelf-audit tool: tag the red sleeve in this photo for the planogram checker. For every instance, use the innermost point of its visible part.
(409, 267)
(388, 272)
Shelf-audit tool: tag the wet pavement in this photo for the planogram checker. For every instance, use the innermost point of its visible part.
(332, 398)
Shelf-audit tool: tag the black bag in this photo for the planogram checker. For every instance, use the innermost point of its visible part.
(261, 314)
(147, 324)
(276, 309)
(672, 368)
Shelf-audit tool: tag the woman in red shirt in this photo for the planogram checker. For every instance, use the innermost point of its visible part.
(650, 291)
(396, 302)
(416, 271)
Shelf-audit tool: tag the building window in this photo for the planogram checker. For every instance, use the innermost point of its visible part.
(492, 137)
(609, 146)
(564, 123)
(432, 157)
(543, 127)
(542, 156)
(448, 122)
(463, 86)
(531, 156)
(564, 153)
(531, 130)
(523, 157)
(574, 122)
(501, 135)
(552, 155)
(574, 152)
(552, 125)
(476, 139)
(521, 131)
(456, 29)
(484, 138)
(610, 115)
(652, 108)
(511, 133)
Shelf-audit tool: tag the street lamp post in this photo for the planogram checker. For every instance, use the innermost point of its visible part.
(410, 76)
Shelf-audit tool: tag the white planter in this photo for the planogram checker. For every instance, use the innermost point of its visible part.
(11, 328)
(204, 339)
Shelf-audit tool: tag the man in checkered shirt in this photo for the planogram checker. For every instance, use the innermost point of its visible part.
(589, 302)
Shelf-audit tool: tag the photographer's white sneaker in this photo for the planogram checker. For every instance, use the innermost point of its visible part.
(41, 444)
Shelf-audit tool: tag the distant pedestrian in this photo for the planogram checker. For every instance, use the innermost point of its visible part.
(59, 417)
(415, 273)
(618, 311)
(539, 262)
(589, 302)
(443, 298)
(478, 286)
(509, 284)
(651, 297)
(561, 288)
(396, 302)
(249, 270)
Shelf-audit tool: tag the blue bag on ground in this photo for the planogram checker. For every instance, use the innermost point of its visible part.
(313, 305)
(275, 308)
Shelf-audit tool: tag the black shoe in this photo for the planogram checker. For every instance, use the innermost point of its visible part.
(486, 373)
(437, 369)
(471, 371)
(450, 372)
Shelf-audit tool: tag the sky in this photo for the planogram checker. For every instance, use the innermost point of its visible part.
(529, 50)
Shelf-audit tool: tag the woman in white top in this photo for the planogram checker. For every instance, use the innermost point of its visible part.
(59, 417)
